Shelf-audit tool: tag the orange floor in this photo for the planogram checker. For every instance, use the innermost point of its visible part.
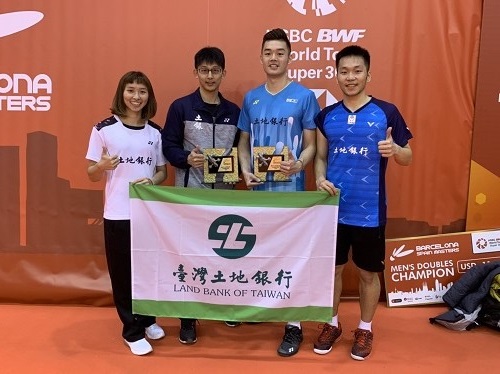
(71, 339)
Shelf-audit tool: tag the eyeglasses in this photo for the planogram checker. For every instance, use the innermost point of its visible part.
(214, 71)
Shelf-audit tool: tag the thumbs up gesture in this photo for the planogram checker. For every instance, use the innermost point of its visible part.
(387, 147)
(107, 161)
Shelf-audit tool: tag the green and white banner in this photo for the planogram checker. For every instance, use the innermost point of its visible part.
(233, 255)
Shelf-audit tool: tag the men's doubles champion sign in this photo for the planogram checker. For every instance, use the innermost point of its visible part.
(421, 270)
(233, 255)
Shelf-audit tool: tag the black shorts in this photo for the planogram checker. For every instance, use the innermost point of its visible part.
(367, 243)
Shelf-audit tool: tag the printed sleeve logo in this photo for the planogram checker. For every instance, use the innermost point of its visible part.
(233, 236)
(13, 22)
(320, 7)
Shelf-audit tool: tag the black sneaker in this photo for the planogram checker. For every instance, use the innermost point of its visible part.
(187, 334)
(291, 341)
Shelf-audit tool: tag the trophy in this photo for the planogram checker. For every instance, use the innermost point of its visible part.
(266, 163)
(220, 165)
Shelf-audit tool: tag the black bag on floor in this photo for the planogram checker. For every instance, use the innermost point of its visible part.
(490, 313)
(465, 297)
(456, 319)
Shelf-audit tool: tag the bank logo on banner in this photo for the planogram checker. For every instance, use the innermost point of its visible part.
(21, 92)
(319, 7)
(228, 231)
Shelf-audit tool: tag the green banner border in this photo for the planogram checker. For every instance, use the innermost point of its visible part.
(244, 313)
(202, 196)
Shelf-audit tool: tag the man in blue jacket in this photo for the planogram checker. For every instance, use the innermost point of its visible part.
(203, 119)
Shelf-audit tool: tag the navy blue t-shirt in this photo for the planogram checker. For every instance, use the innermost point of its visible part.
(354, 164)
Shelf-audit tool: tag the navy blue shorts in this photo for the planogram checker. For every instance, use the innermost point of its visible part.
(367, 243)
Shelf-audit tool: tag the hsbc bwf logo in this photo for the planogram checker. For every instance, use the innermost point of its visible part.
(233, 235)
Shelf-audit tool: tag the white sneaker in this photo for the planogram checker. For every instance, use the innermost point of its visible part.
(155, 332)
(139, 347)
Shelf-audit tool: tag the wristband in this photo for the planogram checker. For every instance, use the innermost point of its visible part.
(301, 163)
(150, 181)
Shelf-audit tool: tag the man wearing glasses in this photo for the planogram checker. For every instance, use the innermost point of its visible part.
(200, 120)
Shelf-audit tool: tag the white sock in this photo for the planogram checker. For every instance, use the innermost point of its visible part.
(365, 325)
(294, 323)
(335, 321)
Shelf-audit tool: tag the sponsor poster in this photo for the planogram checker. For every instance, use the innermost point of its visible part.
(420, 270)
(233, 255)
